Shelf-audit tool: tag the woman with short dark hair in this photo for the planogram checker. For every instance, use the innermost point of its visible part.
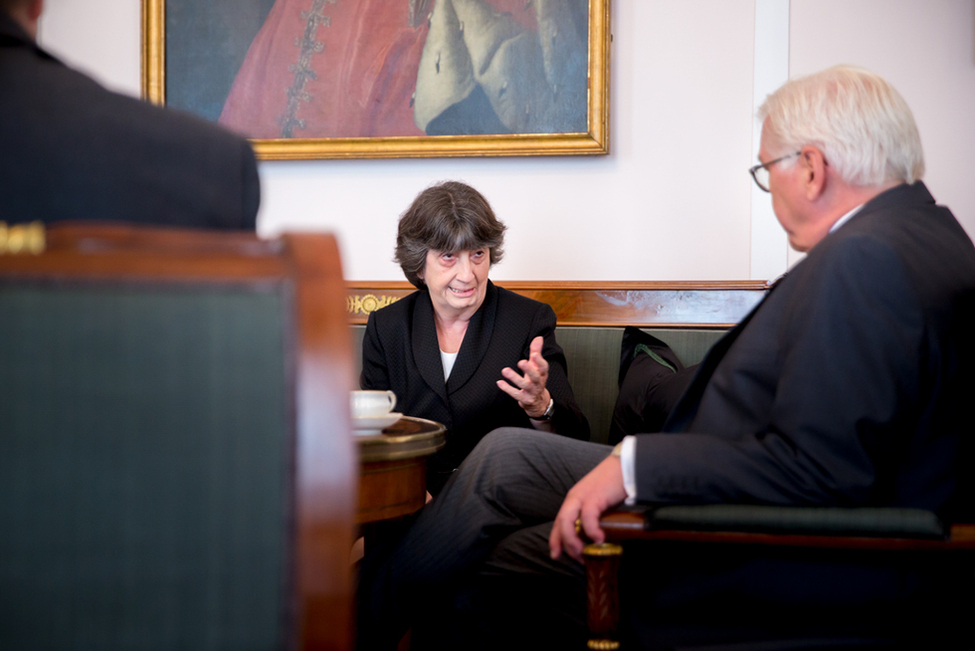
(449, 350)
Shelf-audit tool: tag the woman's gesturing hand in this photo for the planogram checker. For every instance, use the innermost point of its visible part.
(529, 389)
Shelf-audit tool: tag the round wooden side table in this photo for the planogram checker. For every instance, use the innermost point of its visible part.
(393, 480)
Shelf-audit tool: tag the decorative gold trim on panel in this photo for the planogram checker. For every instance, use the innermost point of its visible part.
(365, 304)
(22, 238)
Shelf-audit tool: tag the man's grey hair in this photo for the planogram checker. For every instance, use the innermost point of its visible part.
(862, 125)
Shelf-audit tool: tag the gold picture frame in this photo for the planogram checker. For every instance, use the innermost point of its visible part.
(593, 141)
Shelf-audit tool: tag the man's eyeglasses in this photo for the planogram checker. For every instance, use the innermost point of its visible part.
(760, 171)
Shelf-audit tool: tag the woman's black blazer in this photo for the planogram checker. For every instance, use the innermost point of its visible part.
(400, 352)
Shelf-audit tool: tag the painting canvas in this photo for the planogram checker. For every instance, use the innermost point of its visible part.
(384, 78)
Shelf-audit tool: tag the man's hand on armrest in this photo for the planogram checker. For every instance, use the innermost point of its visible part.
(587, 500)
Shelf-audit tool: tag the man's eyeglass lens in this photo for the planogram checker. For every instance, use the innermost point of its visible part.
(761, 174)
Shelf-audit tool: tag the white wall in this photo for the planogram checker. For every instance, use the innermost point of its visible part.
(926, 49)
(673, 199)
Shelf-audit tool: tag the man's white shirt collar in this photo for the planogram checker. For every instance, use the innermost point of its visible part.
(845, 218)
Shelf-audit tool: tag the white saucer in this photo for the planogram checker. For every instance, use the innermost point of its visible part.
(373, 424)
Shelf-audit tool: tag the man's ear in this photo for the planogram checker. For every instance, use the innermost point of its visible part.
(813, 172)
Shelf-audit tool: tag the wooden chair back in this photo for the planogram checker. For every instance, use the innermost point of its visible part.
(176, 463)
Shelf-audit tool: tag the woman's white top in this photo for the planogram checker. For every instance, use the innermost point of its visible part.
(448, 360)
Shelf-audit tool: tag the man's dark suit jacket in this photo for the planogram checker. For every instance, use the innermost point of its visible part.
(846, 386)
(70, 149)
(400, 352)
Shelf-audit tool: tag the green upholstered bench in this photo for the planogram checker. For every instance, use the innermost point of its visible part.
(688, 316)
(593, 357)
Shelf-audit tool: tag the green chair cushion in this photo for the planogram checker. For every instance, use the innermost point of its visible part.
(883, 522)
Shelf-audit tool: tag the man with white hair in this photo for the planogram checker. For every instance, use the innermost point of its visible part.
(846, 386)
(70, 149)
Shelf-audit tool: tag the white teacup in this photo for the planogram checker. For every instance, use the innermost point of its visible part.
(372, 404)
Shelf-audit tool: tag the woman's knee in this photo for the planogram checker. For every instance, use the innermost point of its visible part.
(506, 450)
(506, 445)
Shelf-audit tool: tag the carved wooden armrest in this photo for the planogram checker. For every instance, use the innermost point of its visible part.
(859, 529)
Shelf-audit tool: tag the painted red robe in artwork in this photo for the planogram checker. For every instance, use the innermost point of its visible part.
(320, 68)
(348, 68)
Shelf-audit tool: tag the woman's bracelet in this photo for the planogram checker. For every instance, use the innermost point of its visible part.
(549, 411)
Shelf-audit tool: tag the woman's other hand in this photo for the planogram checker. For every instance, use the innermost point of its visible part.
(529, 389)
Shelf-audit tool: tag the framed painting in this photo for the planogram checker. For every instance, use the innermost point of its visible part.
(387, 78)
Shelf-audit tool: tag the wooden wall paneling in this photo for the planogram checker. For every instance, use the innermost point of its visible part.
(686, 304)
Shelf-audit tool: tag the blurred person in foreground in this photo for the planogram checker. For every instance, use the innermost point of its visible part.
(459, 350)
(847, 386)
(72, 150)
